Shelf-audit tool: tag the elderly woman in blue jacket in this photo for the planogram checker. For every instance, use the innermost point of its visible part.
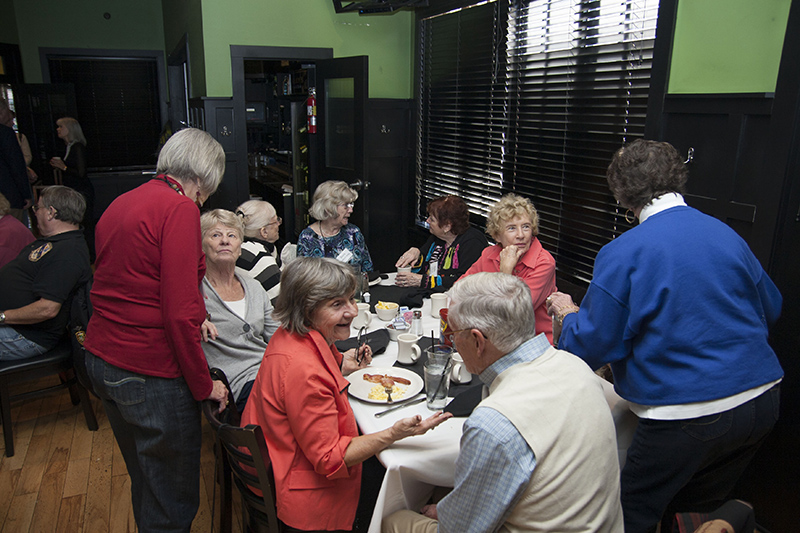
(680, 308)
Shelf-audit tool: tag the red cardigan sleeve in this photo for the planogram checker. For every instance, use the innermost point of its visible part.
(182, 307)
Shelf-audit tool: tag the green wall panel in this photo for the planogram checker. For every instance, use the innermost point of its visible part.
(185, 17)
(727, 46)
(386, 39)
(134, 25)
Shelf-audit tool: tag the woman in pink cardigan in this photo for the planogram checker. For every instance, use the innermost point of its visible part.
(514, 223)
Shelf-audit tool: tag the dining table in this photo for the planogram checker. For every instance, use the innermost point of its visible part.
(415, 466)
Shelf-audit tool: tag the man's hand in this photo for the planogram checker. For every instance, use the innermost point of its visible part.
(430, 511)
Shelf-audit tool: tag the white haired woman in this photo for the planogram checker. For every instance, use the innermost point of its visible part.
(300, 399)
(260, 257)
(145, 359)
(240, 321)
(514, 223)
(332, 235)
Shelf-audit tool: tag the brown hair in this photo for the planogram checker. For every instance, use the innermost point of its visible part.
(643, 170)
(450, 210)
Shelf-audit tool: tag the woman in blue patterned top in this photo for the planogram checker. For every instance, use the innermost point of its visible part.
(332, 235)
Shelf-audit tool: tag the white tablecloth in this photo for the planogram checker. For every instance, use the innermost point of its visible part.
(415, 465)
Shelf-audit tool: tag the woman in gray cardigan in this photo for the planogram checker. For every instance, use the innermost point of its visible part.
(240, 322)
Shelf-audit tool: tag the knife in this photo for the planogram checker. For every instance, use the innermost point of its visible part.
(400, 406)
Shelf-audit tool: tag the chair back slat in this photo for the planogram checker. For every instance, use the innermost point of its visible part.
(246, 457)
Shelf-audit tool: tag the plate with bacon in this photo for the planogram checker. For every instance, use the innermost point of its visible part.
(369, 384)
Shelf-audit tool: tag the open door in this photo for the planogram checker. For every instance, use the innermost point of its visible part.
(342, 93)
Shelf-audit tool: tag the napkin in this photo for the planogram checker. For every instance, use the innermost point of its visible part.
(378, 340)
(455, 388)
(410, 297)
(466, 401)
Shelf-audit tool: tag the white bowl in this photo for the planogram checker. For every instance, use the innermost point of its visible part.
(393, 333)
(387, 314)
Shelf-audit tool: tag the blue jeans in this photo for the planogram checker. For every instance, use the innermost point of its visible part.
(15, 346)
(156, 422)
(691, 465)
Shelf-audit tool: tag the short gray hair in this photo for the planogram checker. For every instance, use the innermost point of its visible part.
(193, 155)
(328, 197)
(255, 214)
(70, 205)
(306, 283)
(211, 218)
(74, 130)
(498, 305)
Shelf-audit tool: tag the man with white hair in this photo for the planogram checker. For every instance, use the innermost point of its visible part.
(539, 452)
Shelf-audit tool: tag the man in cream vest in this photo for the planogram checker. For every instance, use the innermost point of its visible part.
(539, 452)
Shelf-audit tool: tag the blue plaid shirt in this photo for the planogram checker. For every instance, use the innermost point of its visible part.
(495, 463)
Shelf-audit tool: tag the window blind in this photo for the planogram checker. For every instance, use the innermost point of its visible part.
(575, 80)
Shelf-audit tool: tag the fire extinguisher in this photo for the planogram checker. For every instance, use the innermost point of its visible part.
(312, 111)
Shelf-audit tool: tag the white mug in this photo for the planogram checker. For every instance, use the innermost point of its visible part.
(459, 373)
(407, 349)
(438, 301)
(364, 317)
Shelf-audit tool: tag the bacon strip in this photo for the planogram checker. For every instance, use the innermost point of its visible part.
(383, 379)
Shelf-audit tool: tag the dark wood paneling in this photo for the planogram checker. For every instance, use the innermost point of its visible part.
(389, 164)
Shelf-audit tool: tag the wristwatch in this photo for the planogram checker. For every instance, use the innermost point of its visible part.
(2, 317)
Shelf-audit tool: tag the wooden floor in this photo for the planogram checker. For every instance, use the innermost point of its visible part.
(64, 477)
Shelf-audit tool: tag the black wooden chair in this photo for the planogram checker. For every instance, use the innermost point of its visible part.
(60, 361)
(243, 461)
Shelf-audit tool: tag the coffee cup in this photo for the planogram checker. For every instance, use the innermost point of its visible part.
(407, 349)
(459, 373)
(438, 302)
(364, 317)
(405, 270)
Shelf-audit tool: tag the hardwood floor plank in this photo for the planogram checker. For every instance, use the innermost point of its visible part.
(8, 483)
(35, 463)
(122, 520)
(118, 462)
(20, 514)
(81, 447)
(70, 516)
(22, 431)
(77, 480)
(98, 495)
(48, 504)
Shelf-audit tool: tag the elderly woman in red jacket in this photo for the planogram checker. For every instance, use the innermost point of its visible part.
(300, 399)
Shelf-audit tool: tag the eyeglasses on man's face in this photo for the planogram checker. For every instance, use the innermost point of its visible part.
(36, 207)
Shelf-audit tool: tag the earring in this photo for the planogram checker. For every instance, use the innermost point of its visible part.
(632, 218)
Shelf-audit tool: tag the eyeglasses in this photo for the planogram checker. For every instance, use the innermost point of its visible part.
(350, 205)
(36, 207)
(278, 222)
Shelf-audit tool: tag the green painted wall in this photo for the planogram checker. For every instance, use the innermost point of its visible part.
(8, 23)
(386, 39)
(727, 46)
(185, 17)
(134, 25)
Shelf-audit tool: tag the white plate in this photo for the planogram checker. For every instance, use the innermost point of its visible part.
(360, 388)
(389, 282)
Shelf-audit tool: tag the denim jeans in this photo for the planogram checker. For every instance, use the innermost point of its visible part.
(16, 346)
(691, 465)
(156, 422)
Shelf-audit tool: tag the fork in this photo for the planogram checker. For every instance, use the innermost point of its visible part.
(388, 394)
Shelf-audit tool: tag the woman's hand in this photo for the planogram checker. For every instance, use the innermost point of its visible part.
(407, 279)
(349, 364)
(415, 425)
(57, 162)
(560, 304)
(509, 257)
(208, 330)
(219, 394)
(408, 258)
